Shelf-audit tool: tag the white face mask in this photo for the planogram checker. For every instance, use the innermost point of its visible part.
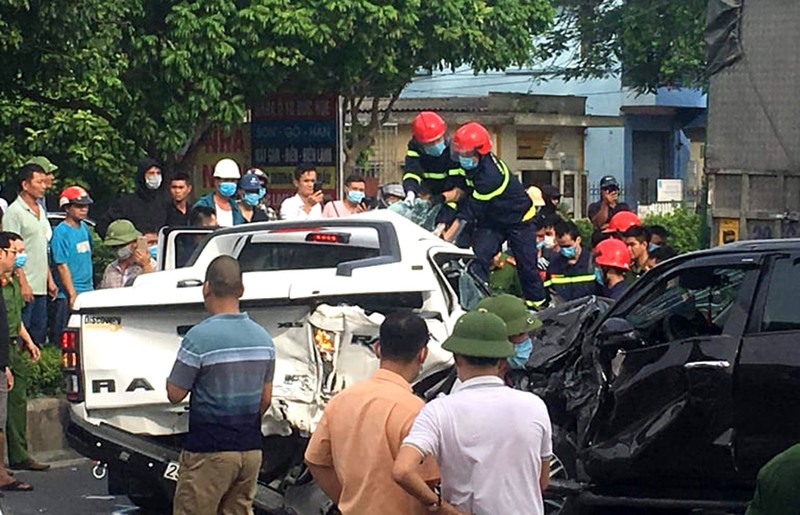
(153, 182)
(549, 242)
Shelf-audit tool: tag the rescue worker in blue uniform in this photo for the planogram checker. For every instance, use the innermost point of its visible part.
(429, 166)
(570, 275)
(612, 260)
(500, 208)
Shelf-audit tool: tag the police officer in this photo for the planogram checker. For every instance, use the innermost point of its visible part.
(570, 274)
(519, 323)
(500, 208)
(429, 166)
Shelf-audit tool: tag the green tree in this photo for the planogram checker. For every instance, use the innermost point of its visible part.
(96, 85)
(376, 47)
(650, 43)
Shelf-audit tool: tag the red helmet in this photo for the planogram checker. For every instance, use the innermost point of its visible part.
(74, 195)
(612, 252)
(623, 221)
(427, 127)
(472, 137)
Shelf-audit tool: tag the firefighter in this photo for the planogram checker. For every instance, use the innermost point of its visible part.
(500, 209)
(570, 273)
(612, 261)
(429, 166)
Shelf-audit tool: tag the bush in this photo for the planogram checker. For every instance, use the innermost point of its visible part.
(46, 375)
(585, 226)
(684, 228)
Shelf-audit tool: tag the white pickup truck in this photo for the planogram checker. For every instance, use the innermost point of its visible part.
(321, 289)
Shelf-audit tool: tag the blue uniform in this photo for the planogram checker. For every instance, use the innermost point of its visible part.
(571, 281)
(614, 292)
(502, 211)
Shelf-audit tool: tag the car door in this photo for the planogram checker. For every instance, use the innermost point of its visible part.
(666, 413)
(767, 387)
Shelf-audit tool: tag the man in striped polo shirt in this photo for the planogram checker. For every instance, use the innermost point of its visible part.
(227, 361)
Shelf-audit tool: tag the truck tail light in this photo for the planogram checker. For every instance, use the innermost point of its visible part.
(325, 342)
(70, 362)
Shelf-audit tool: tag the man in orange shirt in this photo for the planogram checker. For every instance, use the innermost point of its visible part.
(354, 446)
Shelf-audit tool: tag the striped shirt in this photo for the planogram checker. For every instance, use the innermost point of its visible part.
(224, 361)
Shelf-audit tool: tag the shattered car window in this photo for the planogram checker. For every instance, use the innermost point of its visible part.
(694, 302)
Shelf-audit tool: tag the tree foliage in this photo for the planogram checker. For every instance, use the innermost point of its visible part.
(95, 85)
(377, 47)
(650, 43)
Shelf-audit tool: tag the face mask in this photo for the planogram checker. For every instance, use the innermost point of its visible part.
(549, 242)
(251, 199)
(124, 253)
(20, 260)
(467, 163)
(522, 351)
(153, 182)
(539, 245)
(598, 276)
(153, 251)
(355, 196)
(435, 149)
(261, 192)
(568, 252)
(651, 247)
(227, 189)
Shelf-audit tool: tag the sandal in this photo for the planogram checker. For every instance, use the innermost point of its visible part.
(16, 486)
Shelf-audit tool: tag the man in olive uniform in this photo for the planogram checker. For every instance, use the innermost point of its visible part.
(21, 344)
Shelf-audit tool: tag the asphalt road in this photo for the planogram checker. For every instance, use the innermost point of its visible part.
(65, 490)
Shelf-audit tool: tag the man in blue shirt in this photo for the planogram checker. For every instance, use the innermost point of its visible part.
(227, 362)
(71, 248)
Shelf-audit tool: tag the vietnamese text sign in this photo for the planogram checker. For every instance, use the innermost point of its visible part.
(288, 129)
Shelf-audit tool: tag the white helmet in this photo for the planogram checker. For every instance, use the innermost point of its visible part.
(226, 169)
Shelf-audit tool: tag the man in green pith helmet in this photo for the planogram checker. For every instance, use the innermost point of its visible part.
(519, 324)
(493, 444)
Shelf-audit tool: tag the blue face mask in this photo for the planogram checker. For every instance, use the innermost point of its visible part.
(539, 245)
(568, 252)
(522, 351)
(598, 276)
(355, 196)
(261, 192)
(227, 189)
(467, 163)
(436, 149)
(20, 260)
(153, 251)
(651, 247)
(251, 199)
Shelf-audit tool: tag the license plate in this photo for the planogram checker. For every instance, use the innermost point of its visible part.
(171, 472)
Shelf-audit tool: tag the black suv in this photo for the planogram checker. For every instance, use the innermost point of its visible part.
(678, 393)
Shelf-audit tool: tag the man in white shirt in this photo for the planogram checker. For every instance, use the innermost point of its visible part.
(493, 444)
(306, 204)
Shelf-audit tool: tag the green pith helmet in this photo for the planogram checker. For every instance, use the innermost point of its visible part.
(513, 312)
(121, 232)
(42, 161)
(480, 334)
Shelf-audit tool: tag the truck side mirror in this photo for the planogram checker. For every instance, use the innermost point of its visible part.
(617, 333)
